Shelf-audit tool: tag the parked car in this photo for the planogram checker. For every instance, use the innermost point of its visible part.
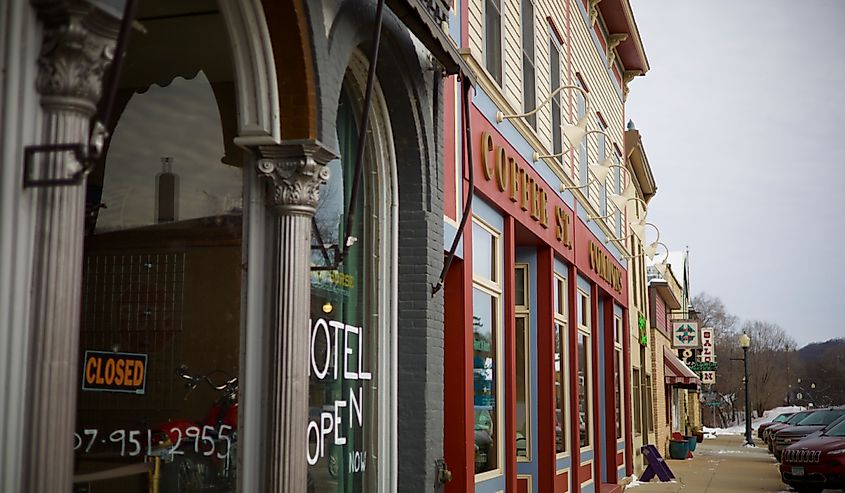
(779, 419)
(811, 424)
(816, 463)
(793, 420)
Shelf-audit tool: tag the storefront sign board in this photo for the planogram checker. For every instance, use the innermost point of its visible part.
(685, 334)
(106, 371)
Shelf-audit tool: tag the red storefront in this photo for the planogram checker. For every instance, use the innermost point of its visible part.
(536, 348)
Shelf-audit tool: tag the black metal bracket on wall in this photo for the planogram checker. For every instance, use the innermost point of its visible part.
(86, 153)
(80, 154)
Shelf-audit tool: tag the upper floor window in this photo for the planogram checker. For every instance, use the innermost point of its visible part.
(554, 83)
(529, 92)
(493, 38)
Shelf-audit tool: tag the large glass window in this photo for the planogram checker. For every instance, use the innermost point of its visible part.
(584, 370)
(523, 367)
(493, 38)
(162, 264)
(561, 366)
(618, 364)
(344, 420)
(486, 339)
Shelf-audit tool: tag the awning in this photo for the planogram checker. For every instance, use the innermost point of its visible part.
(417, 18)
(678, 373)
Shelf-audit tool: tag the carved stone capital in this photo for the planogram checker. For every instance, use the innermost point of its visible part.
(295, 170)
(78, 47)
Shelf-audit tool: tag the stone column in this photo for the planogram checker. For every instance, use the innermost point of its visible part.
(295, 170)
(77, 48)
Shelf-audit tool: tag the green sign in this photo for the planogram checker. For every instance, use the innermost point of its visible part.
(699, 366)
(642, 330)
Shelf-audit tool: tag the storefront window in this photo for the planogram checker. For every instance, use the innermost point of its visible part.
(584, 369)
(485, 373)
(161, 280)
(523, 374)
(343, 417)
(618, 375)
(561, 365)
(486, 330)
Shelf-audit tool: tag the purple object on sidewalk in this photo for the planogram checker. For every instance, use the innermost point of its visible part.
(656, 465)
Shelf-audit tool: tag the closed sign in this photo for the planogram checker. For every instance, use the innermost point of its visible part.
(114, 372)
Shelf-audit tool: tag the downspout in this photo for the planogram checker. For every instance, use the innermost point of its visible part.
(467, 146)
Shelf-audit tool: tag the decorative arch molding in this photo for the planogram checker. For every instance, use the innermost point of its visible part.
(259, 121)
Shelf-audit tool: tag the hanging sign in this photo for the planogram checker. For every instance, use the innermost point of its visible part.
(708, 352)
(708, 377)
(685, 334)
(106, 371)
(641, 326)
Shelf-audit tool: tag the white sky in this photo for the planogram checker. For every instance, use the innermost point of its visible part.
(742, 117)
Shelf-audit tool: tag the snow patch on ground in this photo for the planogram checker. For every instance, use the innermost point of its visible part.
(636, 482)
(739, 429)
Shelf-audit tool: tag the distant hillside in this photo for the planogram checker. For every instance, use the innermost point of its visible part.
(815, 350)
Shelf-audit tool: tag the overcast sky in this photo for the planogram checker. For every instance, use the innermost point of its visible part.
(742, 117)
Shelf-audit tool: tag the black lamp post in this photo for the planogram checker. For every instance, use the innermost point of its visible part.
(745, 343)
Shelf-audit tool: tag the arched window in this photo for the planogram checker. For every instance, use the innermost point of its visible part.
(161, 285)
(352, 390)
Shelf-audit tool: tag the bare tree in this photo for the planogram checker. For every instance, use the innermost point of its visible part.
(713, 313)
(768, 367)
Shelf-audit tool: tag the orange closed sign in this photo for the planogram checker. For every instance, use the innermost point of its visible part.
(114, 372)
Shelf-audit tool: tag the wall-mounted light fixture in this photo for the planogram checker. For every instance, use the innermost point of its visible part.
(573, 132)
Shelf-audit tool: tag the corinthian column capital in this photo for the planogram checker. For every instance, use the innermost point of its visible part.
(295, 171)
(78, 46)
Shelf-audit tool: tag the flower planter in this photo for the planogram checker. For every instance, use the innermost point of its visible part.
(678, 449)
(691, 439)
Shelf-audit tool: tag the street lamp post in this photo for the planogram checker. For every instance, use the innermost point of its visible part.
(745, 343)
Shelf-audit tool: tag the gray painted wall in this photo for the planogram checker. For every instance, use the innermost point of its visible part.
(20, 42)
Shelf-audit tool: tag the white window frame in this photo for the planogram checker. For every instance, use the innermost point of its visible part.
(561, 317)
(493, 287)
(584, 330)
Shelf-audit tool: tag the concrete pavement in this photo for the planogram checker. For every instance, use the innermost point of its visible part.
(721, 465)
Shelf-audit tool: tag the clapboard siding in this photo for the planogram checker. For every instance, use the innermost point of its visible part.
(587, 59)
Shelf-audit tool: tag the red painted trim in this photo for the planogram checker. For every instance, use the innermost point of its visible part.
(450, 121)
(555, 30)
(595, 344)
(458, 434)
(490, 188)
(626, 352)
(574, 424)
(620, 458)
(510, 356)
(583, 237)
(601, 119)
(581, 81)
(562, 482)
(585, 473)
(545, 370)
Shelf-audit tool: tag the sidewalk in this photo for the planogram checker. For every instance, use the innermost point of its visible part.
(721, 465)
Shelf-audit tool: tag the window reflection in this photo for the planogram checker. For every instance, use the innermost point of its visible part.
(484, 332)
(161, 280)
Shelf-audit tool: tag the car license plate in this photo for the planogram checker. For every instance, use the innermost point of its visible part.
(797, 470)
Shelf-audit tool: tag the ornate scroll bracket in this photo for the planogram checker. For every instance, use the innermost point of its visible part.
(613, 41)
(594, 11)
(295, 170)
(627, 77)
